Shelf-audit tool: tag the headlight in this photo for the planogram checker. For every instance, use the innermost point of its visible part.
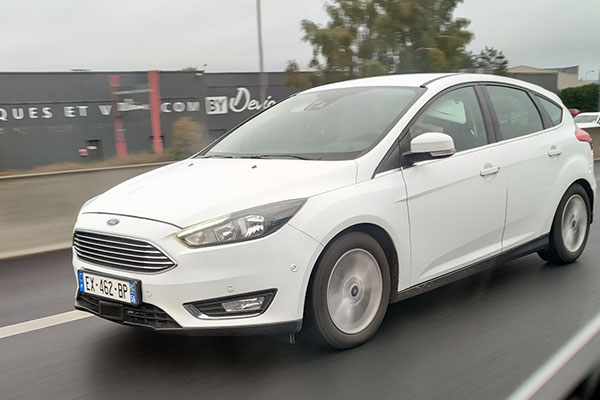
(245, 225)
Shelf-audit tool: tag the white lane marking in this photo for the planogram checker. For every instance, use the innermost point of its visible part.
(42, 323)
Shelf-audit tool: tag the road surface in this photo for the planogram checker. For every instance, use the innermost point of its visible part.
(478, 338)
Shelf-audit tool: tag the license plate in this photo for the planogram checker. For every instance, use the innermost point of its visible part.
(108, 287)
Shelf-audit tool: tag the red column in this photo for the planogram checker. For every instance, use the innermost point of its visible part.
(154, 86)
(121, 143)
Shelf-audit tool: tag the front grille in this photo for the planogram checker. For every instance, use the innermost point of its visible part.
(118, 252)
(144, 315)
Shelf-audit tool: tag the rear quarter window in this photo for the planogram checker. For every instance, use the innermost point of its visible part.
(554, 112)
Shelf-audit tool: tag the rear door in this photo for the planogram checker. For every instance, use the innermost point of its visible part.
(456, 204)
(528, 127)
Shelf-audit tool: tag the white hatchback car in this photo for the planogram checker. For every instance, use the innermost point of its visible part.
(325, 208)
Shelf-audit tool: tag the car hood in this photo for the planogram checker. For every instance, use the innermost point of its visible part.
(194, 190)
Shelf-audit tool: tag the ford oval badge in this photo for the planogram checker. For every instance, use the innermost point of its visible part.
(112, 222)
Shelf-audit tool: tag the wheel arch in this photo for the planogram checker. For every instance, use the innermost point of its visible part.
(382, 237)
(571, 172)
(590, 192)
(588, 189)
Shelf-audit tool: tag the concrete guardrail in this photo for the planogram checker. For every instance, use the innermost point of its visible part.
(38, 211)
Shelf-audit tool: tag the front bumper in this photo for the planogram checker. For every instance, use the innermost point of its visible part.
(151, 317)
(282, 261)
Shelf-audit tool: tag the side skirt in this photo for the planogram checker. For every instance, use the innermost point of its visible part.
(533, 246)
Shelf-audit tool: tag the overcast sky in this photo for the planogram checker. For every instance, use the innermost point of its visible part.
(152, 34)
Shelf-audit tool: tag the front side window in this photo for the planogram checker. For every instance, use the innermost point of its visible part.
(554, 111)
(333, 124)
(516, 112)
(457, 114)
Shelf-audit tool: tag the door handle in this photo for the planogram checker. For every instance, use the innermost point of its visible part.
(554, 151)
(489, 169)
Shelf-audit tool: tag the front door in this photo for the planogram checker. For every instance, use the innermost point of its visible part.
(456, 204)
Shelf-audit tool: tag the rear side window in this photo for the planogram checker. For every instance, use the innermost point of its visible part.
(516, 112)
(554, 111)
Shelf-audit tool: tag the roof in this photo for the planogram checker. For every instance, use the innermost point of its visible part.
(421, 80)
(436, 82)
(408, 80)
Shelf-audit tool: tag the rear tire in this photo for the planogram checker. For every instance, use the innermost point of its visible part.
(349, 292)
(570, 227)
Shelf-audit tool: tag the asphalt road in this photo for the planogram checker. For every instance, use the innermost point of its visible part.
(475, 339)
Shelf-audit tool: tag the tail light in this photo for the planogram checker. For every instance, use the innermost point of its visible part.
(583, 136)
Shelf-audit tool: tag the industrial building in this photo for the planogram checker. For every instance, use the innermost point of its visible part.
(53, 117)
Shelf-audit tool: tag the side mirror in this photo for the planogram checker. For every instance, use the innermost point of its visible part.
(429, 146)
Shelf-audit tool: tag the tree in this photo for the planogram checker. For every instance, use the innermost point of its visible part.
(375, 37)
(297, 79)
(491, 60)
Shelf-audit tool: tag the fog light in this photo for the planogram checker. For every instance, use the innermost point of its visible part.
(251, 304)
(242, 305)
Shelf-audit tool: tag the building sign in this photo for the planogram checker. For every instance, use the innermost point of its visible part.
(242, 101)
(180, 106)
(78, 111)
(47, 118)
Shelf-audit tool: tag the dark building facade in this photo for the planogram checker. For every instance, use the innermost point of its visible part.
(47, 118)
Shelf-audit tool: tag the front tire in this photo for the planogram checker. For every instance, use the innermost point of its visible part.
(349, 292)
(570, 228)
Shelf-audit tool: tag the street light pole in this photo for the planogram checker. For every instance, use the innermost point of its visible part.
(263, 77)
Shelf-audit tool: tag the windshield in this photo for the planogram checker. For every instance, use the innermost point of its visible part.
(586, 119)
(328, 124)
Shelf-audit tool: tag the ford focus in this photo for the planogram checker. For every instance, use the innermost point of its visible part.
(320, 211)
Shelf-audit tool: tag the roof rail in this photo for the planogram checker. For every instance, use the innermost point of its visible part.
(424, 85)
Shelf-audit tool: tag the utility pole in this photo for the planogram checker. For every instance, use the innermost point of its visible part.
(263, 77)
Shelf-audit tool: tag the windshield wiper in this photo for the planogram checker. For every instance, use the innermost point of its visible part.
(215, 156)
(280, 156)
